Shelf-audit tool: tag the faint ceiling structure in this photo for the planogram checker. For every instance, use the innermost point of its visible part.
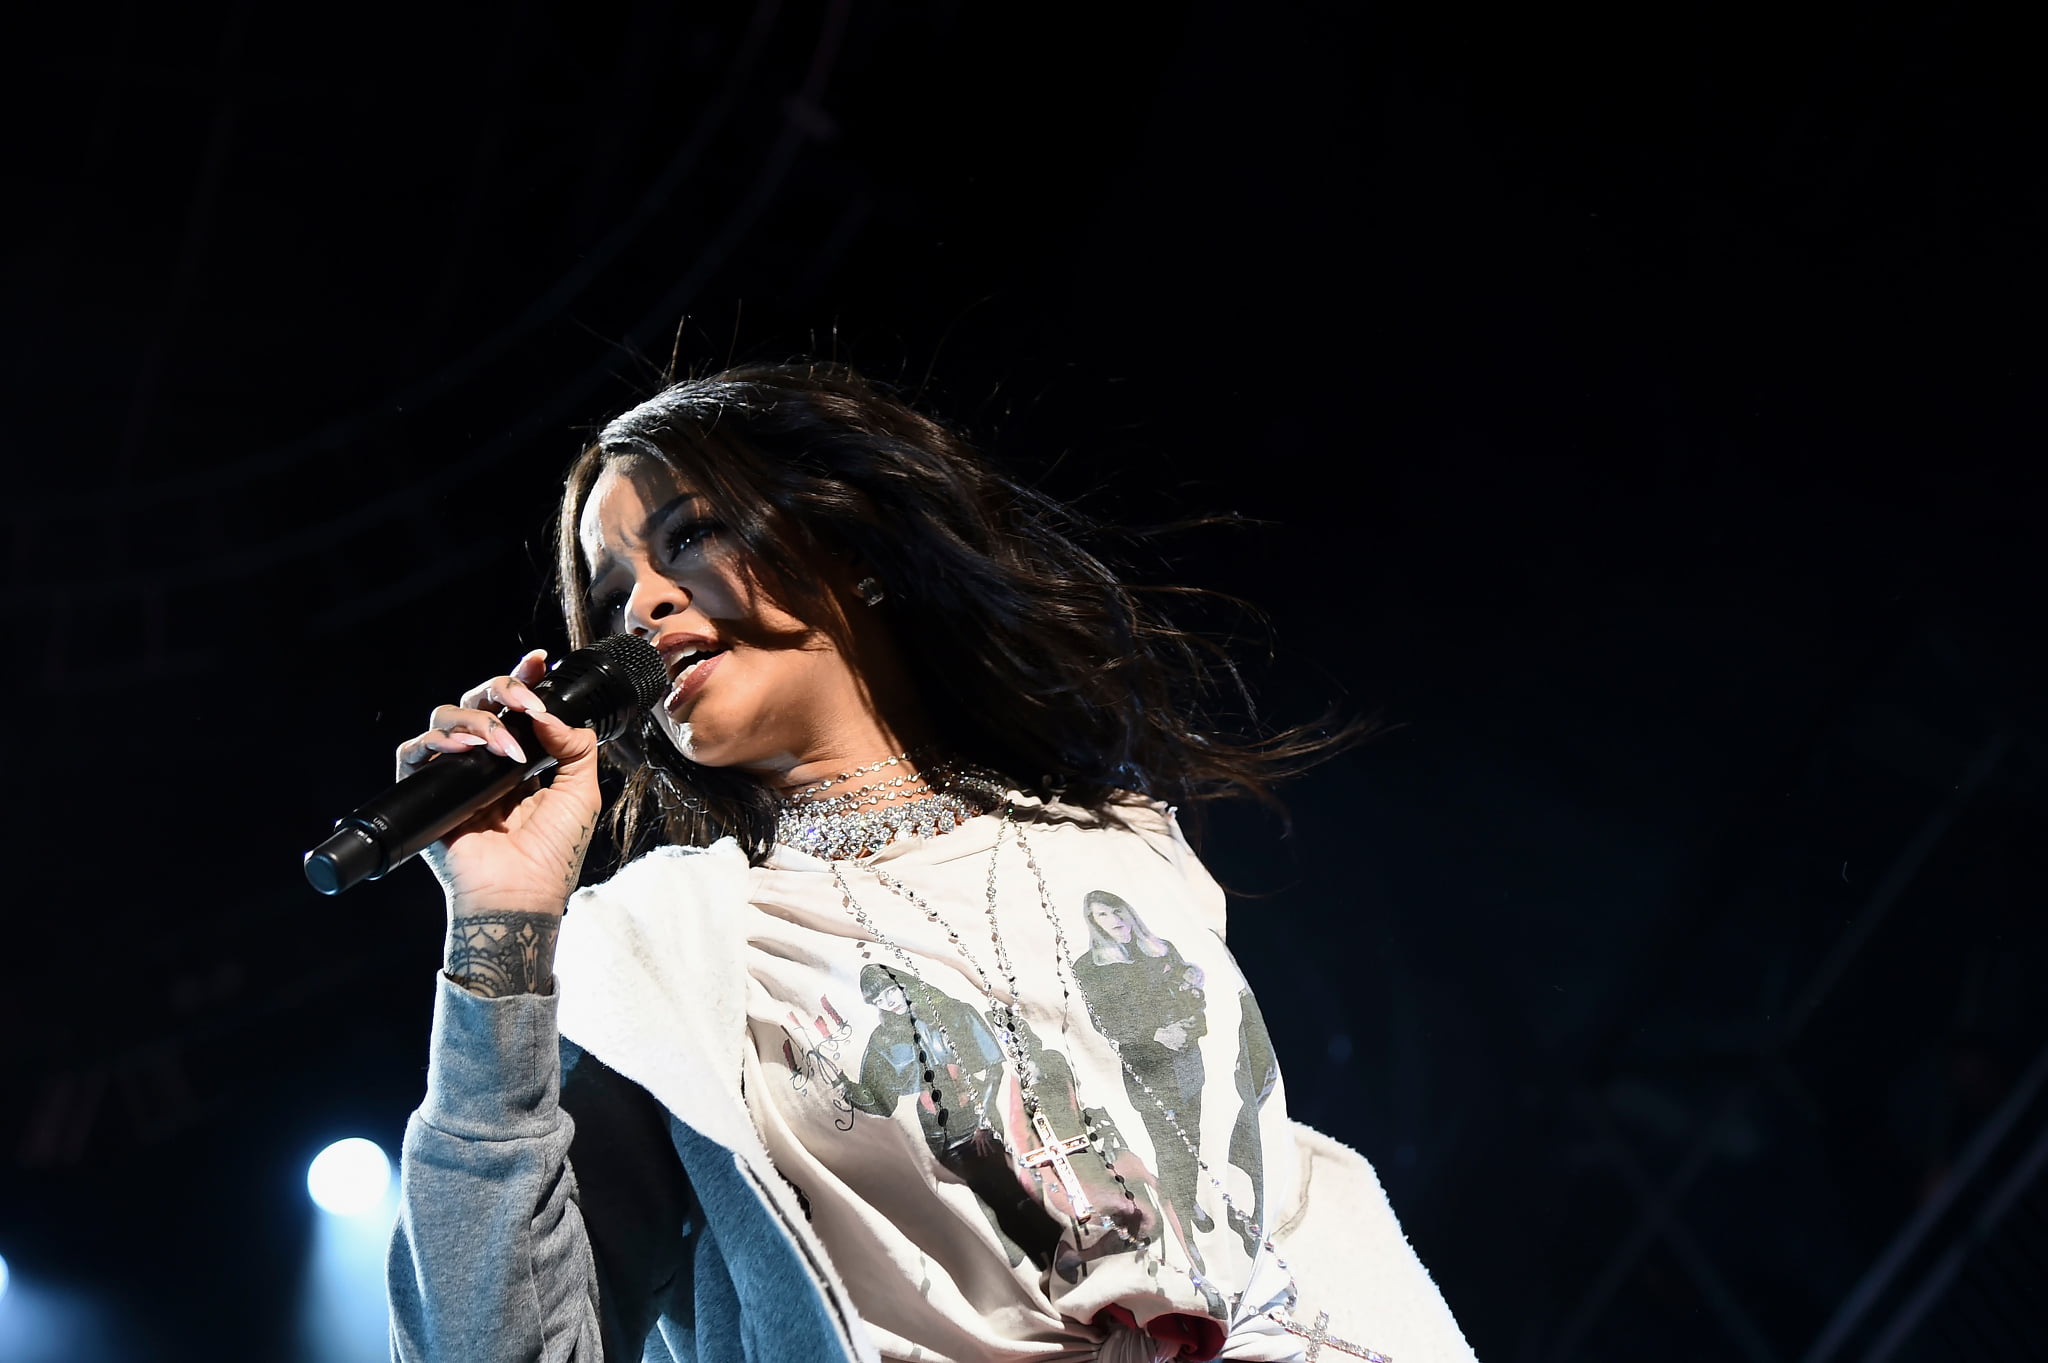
(1971, 1249)
(350, 545)
(156, 1079)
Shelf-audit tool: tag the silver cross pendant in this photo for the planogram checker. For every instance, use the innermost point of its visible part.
(1054, 1152)
(1320, 1336)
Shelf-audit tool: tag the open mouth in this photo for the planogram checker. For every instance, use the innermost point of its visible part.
(695, 661)
(690, 673)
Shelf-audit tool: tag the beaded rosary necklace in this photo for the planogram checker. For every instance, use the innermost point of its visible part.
(835, 829)
(982, 793)
(1004, 1016)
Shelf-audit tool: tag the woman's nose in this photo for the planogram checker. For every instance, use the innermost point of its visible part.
(653, 600)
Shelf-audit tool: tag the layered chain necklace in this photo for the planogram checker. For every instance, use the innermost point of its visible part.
(857, 824)
(861, 820)
(1003, 1013)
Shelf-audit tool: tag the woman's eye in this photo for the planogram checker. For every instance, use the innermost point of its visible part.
(686, 535)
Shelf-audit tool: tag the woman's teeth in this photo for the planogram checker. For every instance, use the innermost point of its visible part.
(695, 663)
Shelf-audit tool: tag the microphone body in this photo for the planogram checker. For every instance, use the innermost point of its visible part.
(602, 687)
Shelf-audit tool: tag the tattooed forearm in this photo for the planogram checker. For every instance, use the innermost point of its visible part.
(496, 954)
(576, 859)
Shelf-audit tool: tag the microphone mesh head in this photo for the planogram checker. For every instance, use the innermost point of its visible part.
(639, 664)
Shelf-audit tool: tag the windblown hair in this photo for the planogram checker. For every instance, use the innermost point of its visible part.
(1029, 654)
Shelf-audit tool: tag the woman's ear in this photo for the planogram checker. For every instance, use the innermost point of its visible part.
(857, 573)
(843, 562)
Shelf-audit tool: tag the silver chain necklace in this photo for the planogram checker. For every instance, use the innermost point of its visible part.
(1003, 1013)
(1045, 905)
(1052, 1152)
(811, 791)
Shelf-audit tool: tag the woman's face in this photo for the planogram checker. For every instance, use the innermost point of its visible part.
(1113, 924)
(751, 685)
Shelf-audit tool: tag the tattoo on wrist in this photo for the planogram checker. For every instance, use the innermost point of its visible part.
(576, 859)
(496, 954)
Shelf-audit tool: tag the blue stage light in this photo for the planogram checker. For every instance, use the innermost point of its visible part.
(349, 1177)
(3, 1275)
(342, 1317)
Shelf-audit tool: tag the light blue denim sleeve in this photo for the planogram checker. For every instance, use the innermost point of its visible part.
(490, 1261)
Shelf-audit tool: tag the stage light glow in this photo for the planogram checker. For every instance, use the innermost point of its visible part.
(342, 1317)
(349, 1177)
(42, 1321)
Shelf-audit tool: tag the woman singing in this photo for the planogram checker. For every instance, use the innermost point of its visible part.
(914, 1036)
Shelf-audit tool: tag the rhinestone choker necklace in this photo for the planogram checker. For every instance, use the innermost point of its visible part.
(836, 830)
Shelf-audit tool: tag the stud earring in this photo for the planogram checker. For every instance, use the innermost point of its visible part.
(870, 589)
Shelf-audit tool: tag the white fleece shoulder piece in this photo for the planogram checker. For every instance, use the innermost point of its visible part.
(1351, 1258)
(648, 972)
(651, 982)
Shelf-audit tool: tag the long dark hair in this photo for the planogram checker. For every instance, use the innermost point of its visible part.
(1030, 655)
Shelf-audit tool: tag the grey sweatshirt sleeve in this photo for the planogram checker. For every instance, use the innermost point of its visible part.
(491, 1260)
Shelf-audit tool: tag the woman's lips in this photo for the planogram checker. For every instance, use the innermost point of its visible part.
(691, 681)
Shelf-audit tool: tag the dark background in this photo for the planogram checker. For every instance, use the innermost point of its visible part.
(1644, 404)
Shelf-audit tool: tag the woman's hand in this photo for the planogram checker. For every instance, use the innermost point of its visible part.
(522, 855)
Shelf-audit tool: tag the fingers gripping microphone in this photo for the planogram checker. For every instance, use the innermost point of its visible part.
(601, 687)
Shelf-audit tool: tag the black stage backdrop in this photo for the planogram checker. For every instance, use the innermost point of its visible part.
(1642, 406)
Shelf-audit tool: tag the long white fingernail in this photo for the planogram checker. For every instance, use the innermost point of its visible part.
(513, 750)
(473, 740)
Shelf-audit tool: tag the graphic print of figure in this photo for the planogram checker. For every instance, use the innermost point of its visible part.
(1148, 999)
(921, 1028)
(1258, 1070)
(1135, 1214)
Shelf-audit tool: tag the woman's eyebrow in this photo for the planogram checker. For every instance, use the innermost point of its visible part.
(608, 560)
(666, 510)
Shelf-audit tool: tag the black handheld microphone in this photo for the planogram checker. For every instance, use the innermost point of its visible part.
(601, 687)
